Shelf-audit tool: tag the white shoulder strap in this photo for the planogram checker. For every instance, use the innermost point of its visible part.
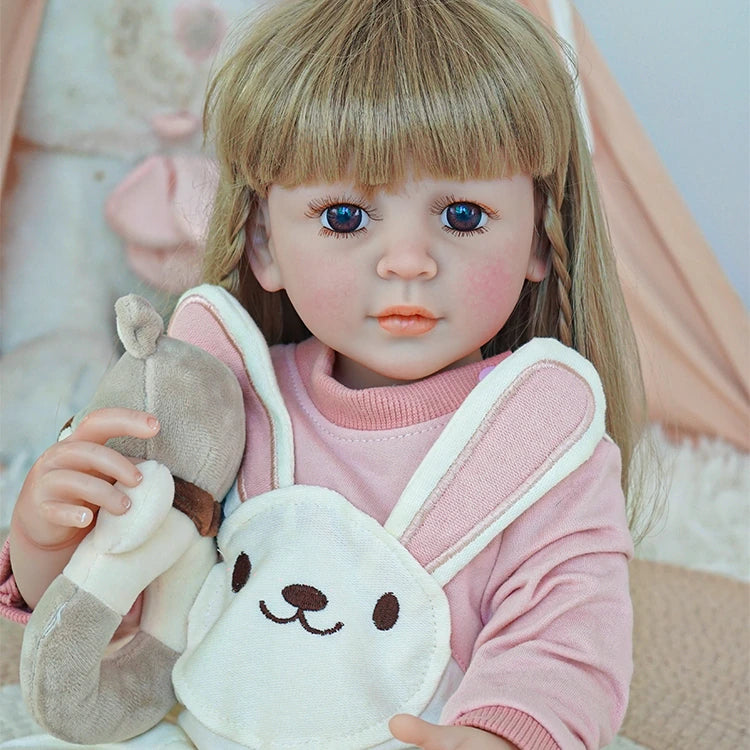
(531, 422)
(253, 360)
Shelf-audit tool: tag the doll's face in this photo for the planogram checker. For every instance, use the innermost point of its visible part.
(401, 284)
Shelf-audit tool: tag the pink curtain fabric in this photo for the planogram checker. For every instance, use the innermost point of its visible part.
(692, 329)
(19, 25)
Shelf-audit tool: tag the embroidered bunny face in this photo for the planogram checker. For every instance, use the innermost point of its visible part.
(320, 624)
(345, 593)
(314, 598)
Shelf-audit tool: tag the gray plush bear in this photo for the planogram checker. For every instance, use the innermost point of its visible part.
(76, 684)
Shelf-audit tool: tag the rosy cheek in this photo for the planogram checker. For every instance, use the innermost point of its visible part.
(323, 293)
(491, 290)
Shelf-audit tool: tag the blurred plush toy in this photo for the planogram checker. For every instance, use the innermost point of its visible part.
(74, 686)
(107, 191)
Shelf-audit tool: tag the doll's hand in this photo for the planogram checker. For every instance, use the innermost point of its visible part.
(72, 479)
(416, 731)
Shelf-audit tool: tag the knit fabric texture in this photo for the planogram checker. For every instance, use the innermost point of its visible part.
(691, 684)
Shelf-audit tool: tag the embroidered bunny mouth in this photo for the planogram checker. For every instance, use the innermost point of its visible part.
(299, 615)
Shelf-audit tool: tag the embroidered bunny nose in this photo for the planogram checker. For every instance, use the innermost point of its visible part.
(304, 597)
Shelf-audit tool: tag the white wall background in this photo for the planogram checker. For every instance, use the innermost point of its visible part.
(684, 65)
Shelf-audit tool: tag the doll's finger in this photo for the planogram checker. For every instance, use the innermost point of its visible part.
(76, 487)
(411, 729)
(103, 424)
(416, 731)
(63, 514)
(95, 459)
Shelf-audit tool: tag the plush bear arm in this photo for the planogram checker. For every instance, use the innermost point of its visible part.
(168, 600)
(74, 686)
(123, 554)
(78, 695)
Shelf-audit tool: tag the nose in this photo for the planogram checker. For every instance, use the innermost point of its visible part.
(407, 258)
(304, 597)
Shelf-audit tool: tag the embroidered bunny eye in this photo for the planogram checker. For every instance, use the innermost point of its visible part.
(241, 572)
(385, 613)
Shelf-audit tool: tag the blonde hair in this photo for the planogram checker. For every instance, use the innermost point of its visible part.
(376, 90)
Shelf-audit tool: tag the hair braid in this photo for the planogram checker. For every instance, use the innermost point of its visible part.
(559, 271)
(227, 238)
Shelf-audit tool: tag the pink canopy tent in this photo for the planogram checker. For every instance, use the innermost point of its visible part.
(692, 329)
(19, 24)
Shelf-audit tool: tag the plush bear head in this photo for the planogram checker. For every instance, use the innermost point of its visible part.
(196, 398)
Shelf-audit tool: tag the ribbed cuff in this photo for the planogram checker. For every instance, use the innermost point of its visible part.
(510, 724)
(12, 605)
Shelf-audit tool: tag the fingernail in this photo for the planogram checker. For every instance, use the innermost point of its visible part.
(138, 477)
(84, 518)
(126, 502)
(153, 423)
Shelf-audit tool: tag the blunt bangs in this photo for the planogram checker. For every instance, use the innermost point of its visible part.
(451, 92)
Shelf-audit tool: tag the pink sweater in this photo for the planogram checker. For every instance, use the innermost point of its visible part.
(541, 619)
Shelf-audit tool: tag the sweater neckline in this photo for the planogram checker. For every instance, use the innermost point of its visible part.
(384, 407)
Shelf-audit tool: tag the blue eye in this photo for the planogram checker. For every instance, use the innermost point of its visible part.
(463, 217)
(344, 218)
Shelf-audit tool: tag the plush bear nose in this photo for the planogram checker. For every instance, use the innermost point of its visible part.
(304, 597)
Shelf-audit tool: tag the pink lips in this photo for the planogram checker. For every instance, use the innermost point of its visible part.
(406, 320)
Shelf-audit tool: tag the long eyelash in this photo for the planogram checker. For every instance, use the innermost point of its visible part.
(326, 232)
(440, 205)
(465, 232)
(316, 207)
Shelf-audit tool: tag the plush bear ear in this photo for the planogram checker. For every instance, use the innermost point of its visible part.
(527, 425)
(211, 318)
(138, 325)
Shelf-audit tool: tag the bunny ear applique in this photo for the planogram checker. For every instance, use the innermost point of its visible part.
(211, 318)
(530, 422)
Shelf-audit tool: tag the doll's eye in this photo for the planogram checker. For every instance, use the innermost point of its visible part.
(344, 218)
(385, 613)
(463, 217)
(241, 572)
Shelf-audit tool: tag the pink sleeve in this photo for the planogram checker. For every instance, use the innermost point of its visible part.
(12, 605)
(551, 667)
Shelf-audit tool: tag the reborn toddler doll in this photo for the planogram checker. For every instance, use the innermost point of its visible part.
(74, 686)
(404, 205)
